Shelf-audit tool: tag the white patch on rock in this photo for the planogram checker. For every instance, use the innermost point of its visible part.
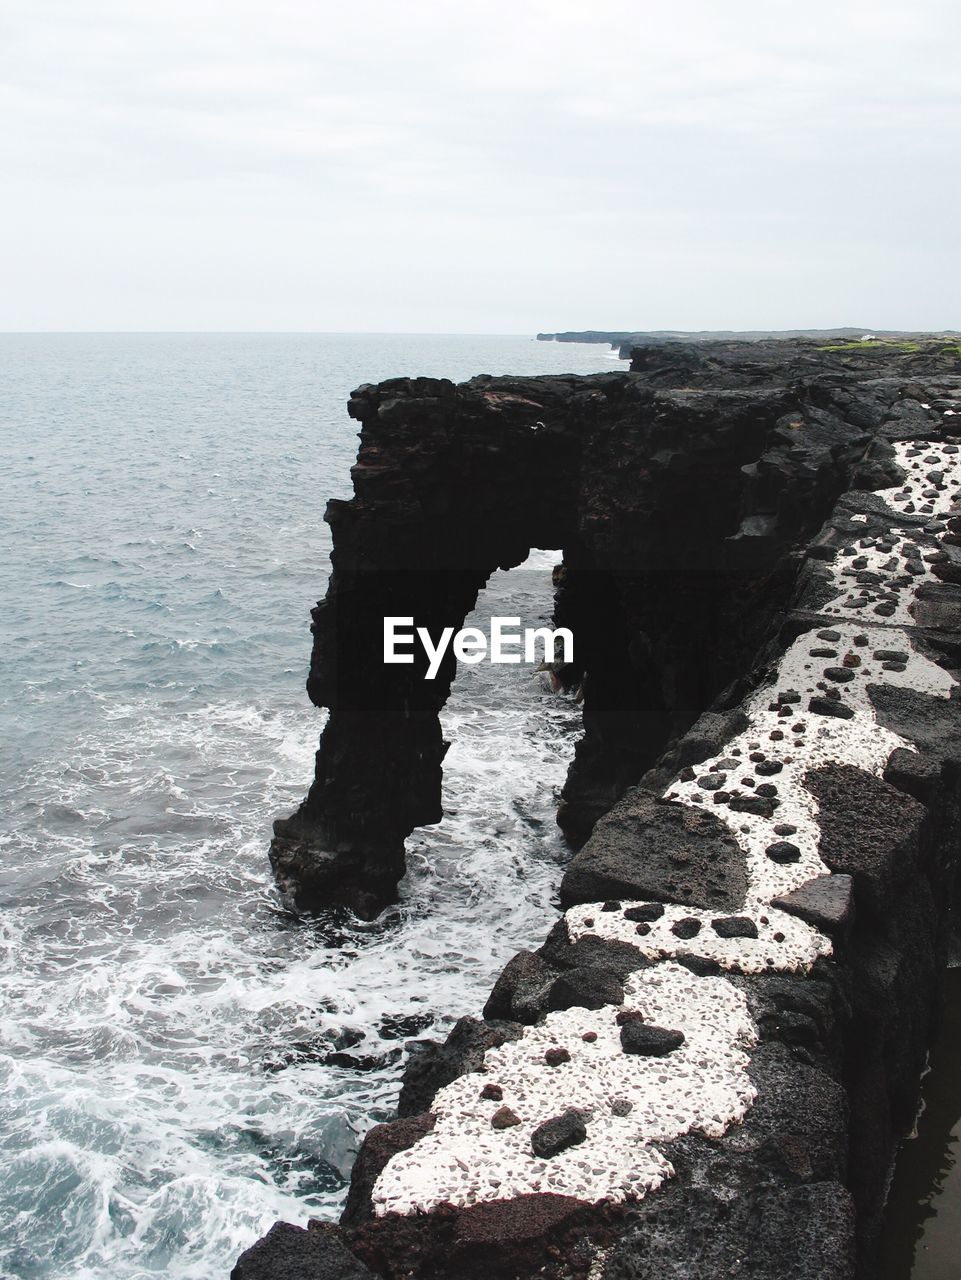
(918, 458)
(701, 1086)
(810, 740)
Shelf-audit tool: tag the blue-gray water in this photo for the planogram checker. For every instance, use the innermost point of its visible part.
(161, 1020)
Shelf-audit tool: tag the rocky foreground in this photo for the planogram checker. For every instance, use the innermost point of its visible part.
(706, 1067)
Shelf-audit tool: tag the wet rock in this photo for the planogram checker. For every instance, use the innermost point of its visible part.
(287, 1252)
(431, 1066)
(380, 1145)
(520, 993)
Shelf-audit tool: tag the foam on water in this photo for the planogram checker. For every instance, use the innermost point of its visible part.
(165, 1029)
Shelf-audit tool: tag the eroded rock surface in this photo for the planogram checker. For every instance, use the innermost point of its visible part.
(709, 1062)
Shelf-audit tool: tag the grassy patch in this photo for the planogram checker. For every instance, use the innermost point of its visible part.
(874, 344)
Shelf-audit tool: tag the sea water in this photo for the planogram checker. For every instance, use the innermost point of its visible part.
(165, 1027)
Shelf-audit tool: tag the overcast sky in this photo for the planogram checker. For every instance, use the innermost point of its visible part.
(431, 166)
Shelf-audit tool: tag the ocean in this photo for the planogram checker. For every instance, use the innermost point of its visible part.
(165, 1027)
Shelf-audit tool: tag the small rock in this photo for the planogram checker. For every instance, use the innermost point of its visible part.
(830, 707)
(504, 1118)
(783, 852)
(649, 1041)
(689, 927)
(554, 1057)
(492, 1092)
(734, 927)
(557, 1134)
(712, 781)
(644, 911)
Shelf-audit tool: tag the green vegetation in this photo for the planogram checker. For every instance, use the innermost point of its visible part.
(874, 344)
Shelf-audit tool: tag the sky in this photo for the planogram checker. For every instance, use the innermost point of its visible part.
(490, 167)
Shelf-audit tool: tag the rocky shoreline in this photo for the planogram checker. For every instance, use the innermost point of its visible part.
(706, 1067)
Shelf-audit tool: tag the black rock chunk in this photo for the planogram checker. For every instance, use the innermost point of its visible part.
(824, 901)
(840, 675)
(830, 707)
(292, 1253)
(734, 927)
(687, 928)
(782, 851)
(646, 849)
(645, 911)
(649, 1041)
(557, 1134)
(585, 987)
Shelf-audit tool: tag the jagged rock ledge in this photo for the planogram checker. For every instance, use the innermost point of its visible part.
(623, 341)
(706, 1067)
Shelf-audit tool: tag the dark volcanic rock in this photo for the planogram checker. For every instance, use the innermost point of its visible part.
(586, 986)
(668, 610)
(520, 993)
(452, 482)
(432, 1065)
(734, 927)
(648, 1041)
(824, 901)
(869, 831)
(830, 707)
(291, 1253)
(556, 1135)
(666, 852)
(783, 851)
(798, 1233)
(381, 1143)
